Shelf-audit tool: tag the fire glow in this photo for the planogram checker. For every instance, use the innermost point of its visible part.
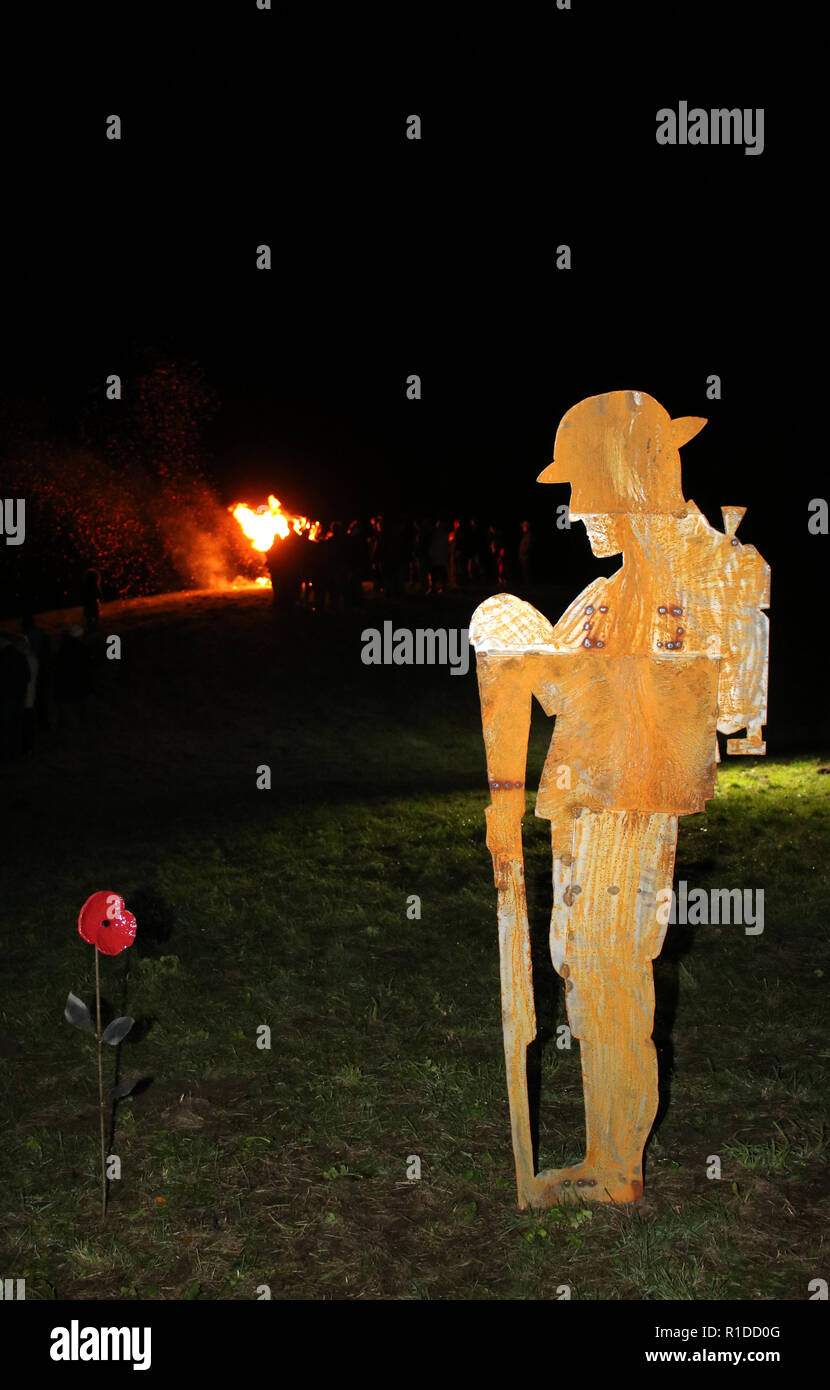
(268, 523)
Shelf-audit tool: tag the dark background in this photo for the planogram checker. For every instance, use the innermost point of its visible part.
(435, 257)
(392, 257)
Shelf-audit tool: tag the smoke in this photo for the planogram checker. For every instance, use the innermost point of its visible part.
(121, 489)
(203, 541)
(145, 534)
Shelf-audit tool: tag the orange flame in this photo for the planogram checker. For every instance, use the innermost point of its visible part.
(262, 526)
(266, 523)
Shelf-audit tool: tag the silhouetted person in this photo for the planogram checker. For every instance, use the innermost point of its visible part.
(287, 563)
(307, 558)
(526, 553)
(454, 558)
(357, 560)
(508, 554)
(41, 645)
(395, 556)
(476, 546)
(377, 547)
(422, 543)
(492, 563)
(439, 554)
(464, 542)
(338, 567)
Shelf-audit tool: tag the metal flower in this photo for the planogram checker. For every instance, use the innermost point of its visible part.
(105, 922)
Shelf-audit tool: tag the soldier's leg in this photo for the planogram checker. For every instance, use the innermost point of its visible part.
(604, 935)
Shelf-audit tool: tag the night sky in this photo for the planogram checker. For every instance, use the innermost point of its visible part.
(437, 257)
(390, 257)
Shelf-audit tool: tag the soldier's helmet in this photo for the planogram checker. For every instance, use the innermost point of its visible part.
(619, 451)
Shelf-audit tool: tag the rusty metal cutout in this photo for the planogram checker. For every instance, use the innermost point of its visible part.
(640, 672)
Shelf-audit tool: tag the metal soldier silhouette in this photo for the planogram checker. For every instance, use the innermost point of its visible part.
(640, 671)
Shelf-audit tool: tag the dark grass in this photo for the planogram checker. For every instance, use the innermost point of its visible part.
(243, 1166)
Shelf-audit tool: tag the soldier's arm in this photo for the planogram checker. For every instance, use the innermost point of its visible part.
(504, 683)
(507, 635)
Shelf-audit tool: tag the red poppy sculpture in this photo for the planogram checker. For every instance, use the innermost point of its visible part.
(105, 923)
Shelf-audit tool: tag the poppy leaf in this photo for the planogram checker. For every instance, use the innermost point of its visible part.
(77, 1013)
(118, 1029)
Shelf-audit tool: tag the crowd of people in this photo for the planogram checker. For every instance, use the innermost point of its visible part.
(396, 556)
(48, 685)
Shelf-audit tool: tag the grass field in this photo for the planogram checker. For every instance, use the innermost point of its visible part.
(244, 1166)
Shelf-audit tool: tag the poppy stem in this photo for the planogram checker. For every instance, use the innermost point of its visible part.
(100, 1086)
